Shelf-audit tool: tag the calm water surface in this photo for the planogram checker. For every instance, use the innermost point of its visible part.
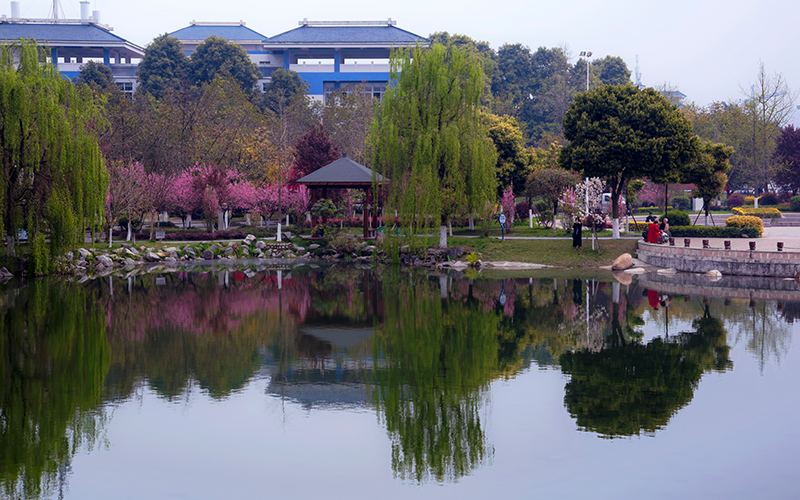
(351, 383)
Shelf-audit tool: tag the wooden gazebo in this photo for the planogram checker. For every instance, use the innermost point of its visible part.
(344, 173)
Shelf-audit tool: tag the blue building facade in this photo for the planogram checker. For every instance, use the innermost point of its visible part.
(73, 42)
(328, 55)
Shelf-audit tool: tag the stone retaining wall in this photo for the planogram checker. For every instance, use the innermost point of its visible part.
(730, 262)
(727, 287)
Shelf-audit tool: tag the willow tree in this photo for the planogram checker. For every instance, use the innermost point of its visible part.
(52, 177)
(430, 140)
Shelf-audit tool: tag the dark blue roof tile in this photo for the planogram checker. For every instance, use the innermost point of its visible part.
(228, 32)
(348, 34)
(42, 32)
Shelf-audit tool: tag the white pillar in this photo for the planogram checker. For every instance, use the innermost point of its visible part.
(530, 218)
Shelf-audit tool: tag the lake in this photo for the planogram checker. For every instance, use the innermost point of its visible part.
(345, 382)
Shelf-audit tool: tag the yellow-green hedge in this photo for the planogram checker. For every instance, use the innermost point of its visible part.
(746, 221)
(764, 213)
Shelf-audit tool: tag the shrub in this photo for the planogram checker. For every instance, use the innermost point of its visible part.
(763, 213)
(521, 210)
(681, 203)
(749, 200)
(784, 197)
(735, 200)
(768, 199)
(638, 227)
(544, 213)
(742, 221)
(678, 218)
(794, 203)
(344, 243)
(713, 232)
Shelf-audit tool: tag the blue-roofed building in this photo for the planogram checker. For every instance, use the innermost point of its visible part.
(328, 55)
(331, 55)
(73, 42)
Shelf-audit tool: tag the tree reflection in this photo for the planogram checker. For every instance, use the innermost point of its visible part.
(53, 360)
(629, 388)
(439, 357)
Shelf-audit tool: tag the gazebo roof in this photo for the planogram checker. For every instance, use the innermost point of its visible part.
(344, 172)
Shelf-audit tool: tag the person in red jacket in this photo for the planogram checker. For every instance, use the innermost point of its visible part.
(653, 233)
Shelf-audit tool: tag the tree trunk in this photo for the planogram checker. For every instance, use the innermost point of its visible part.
(110, 235)
(615, 228)
(442, 236)
(10, 250)
(128, 238)
(471, 222)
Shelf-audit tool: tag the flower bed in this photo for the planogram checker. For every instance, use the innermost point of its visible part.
(763, 213)
(745, 221)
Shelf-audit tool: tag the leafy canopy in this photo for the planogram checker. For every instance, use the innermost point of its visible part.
(164, 66)
(619, 133)
(216, 55)
(429, 138)
(52, 177)
(96, 74)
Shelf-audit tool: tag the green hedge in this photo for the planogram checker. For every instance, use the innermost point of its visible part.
(678, 218)
(712, 232)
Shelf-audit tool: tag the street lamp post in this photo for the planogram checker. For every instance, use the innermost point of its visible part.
(587, 55)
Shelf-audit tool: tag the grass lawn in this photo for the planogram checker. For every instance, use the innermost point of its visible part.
(548, 252)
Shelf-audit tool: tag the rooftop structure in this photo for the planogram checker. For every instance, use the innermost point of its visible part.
(328, 55)
(341, 55)
(72, 42)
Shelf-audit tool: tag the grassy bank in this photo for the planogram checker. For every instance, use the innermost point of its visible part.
(548, 252)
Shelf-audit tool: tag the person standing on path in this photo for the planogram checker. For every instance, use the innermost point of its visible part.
(577, 243)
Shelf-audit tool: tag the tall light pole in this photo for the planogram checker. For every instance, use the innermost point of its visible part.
(587, 55)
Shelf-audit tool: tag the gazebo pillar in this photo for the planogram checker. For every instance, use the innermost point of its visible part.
(365, 211)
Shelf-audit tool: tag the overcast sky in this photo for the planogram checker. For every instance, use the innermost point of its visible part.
(710, 50)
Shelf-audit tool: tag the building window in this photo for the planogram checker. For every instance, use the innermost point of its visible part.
(373, 89)
(126, 87)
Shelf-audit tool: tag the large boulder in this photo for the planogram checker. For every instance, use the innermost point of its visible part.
(105, 261)
(207, 255)
(152, 257)
(623, 277)
(622, 262)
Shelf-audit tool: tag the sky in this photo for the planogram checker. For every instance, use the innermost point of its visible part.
(709, 50)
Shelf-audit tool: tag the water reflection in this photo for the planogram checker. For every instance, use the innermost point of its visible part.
(54, 356)
(421, 351)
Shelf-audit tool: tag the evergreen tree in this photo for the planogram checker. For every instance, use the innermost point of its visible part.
(282, 89)
(164, 66)
(52, 176)
(430, 140)
(96, 74)
(216, 55)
